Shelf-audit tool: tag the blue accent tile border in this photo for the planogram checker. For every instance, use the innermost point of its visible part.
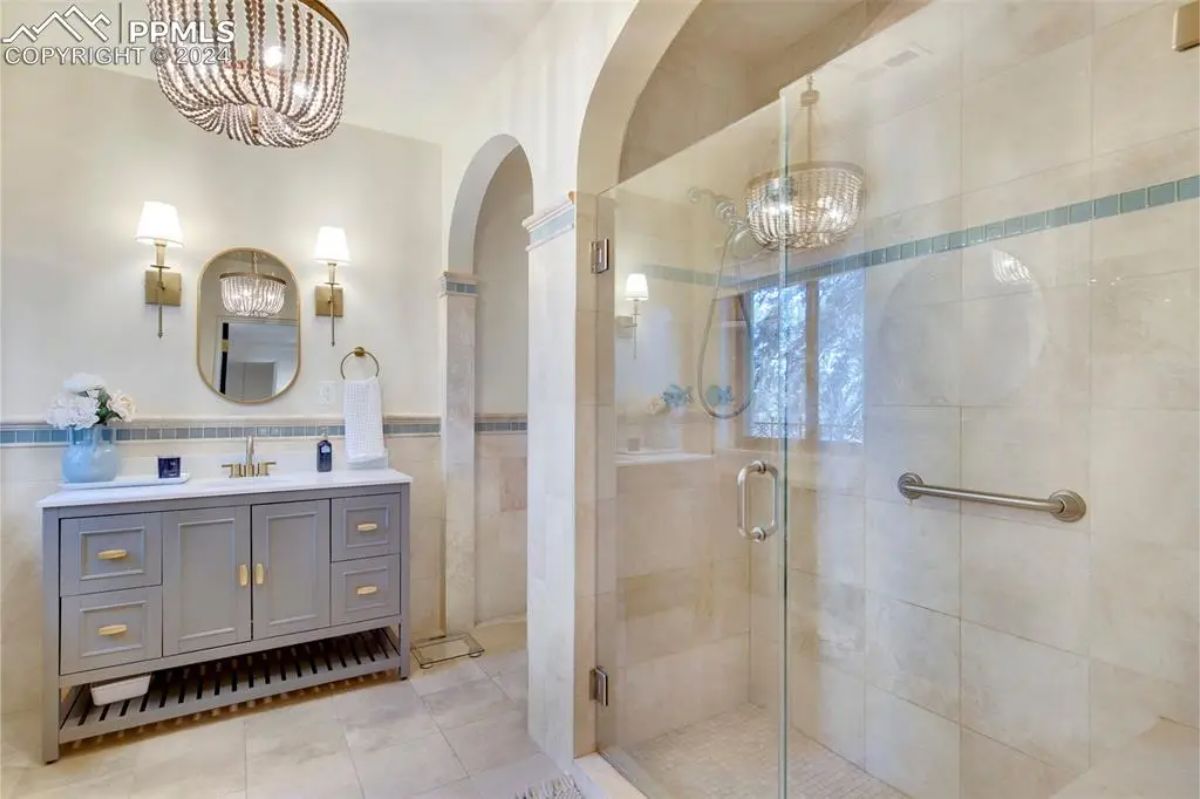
(453, 287)
(18, 433)
(501, 424)
(1141, 199)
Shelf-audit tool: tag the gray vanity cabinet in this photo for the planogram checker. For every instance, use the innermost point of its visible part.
(291, 567)
(222, 597)
(206, 578)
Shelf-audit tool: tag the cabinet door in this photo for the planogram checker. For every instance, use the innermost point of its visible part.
(290, 547)
(206, 578)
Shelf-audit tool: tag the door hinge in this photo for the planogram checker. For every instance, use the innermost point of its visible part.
(599, 686)
(601, 256)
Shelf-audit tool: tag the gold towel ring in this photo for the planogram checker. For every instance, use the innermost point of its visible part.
(358, 352)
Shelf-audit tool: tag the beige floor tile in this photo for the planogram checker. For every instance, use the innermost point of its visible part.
(463, 789)
(507, 780)
(491, 743)
(109, 786)
(462, 704)
(445, 675)
(104, 769)
(514, 683)
(380, 715)
(293, 733)
(494, 663)
(319, 777)
(408, 768)
(181, 762)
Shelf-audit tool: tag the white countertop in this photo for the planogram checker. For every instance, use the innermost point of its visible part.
(224, 486)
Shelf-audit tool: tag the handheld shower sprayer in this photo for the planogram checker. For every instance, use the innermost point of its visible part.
(725, 210)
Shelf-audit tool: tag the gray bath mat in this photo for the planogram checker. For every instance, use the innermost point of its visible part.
(561, 788)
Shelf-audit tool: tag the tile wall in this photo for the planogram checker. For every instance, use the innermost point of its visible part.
(1031, 251)
(946, 647)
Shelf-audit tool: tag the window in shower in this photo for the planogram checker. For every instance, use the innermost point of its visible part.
(806, 348)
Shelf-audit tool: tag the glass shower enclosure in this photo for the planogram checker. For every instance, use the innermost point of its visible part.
(898, 363)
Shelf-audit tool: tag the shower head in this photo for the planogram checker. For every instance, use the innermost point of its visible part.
(723, 207)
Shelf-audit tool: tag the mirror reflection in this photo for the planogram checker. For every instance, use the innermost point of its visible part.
(247, 326)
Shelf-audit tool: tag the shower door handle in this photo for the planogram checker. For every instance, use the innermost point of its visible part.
(756, 533)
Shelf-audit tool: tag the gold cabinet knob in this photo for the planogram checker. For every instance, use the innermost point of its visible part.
(367, 527)
(112, 554)
(366, 590)
(243, 575)
(113, 629)
(260, 574)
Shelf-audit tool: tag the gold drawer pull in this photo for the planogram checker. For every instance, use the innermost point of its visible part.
(112, 554)
(366, 590)
(243, 575)
(367, 527)
(260, 574)
(113, 629)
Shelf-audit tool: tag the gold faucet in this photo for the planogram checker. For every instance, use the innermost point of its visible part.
(249, 468)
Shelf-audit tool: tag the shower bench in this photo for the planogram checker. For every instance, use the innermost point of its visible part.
(224, 591)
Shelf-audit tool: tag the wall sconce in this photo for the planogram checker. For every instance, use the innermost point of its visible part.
(331, 249)
(159, 225)
(636, 291)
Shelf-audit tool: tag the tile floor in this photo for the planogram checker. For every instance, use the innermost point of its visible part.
(456, 731)
(733, 756)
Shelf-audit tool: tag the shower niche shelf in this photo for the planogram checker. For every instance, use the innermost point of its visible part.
(230, 681)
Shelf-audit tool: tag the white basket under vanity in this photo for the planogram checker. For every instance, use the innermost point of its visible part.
(223, 591)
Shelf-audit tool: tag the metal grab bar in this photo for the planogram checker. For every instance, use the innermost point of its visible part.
(756, 533)
(1066, 506)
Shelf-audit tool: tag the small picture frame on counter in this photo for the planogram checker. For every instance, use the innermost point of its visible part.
(169, 467)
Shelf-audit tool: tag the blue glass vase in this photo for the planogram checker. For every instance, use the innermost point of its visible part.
(91, 456)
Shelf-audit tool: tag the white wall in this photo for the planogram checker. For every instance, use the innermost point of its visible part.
(83, 148)
(502, 310)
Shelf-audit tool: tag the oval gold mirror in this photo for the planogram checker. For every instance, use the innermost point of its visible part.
(248, 326)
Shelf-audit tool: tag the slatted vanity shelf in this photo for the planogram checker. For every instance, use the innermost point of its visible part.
(224, 591)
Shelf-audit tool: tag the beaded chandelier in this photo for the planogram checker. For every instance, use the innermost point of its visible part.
(808, 205)
(278, 83)
(252, 294)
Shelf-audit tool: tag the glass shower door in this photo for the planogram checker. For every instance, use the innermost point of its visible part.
(991, 401)
(690, 621)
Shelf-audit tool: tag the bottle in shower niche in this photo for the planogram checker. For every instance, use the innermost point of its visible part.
(324, 454)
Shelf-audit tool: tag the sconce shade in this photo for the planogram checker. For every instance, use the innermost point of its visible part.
(331, 247)
(159, 223)
(636, 288)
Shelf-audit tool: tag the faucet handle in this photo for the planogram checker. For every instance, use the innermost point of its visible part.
(263, 468)
(235, 469)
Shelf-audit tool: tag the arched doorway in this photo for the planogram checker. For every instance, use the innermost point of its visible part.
(482, 338)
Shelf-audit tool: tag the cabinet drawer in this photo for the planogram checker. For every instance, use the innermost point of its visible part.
(365, 589)
(100, 630)
(365, 527)
(106, 553)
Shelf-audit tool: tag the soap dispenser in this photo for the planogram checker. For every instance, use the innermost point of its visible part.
(324, 454)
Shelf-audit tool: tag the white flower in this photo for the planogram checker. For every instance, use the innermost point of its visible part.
(73, 411)
(81, 382)
(121, 404)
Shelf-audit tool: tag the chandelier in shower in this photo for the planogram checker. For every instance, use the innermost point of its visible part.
(277, 82)
(808, 205)
(252, 294)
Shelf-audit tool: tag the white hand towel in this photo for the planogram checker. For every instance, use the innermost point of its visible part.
(363, 412)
